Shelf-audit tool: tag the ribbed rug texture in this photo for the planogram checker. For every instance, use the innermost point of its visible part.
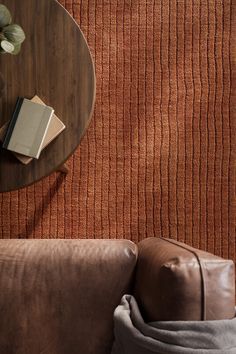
(159, 156)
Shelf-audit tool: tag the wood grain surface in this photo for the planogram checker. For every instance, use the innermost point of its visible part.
(55, 63)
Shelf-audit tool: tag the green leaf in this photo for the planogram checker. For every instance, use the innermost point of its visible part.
(14, 33)
(2, 37)
(17, 49)
(5, 16)
(8, 47)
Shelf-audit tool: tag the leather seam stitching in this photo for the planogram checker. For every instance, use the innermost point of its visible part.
(202, 276)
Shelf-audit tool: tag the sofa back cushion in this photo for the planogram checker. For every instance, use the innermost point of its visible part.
(58, 296)
(177, 282)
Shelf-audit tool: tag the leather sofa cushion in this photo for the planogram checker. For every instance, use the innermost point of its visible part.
(58, 296)
(177, 282)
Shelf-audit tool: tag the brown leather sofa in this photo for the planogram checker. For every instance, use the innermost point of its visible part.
(58, 296)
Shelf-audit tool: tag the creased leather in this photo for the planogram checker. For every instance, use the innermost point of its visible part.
(58, 296)
(177, 282)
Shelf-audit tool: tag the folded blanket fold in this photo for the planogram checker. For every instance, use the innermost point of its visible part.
(134, 336)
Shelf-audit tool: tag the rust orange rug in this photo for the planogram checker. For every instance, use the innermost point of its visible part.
(159, 156)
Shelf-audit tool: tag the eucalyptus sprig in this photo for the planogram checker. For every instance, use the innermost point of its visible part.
(11, 35)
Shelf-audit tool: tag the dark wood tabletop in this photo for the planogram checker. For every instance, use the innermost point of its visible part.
(55, 63)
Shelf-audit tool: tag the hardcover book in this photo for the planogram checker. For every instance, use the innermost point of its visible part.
(56, 126)
(27, 128)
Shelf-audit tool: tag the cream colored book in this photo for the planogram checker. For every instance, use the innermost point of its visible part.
(56, 126)
(27, 128)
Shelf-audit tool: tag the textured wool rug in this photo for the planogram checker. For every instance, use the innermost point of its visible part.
(159, 156)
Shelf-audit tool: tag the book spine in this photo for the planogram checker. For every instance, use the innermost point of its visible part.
(12, 123)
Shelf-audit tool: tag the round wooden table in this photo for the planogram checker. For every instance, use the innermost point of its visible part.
(54, 63)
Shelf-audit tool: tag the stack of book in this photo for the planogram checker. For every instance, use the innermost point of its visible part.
(32, 127)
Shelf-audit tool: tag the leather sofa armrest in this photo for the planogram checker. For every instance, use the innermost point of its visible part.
(177, 282)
